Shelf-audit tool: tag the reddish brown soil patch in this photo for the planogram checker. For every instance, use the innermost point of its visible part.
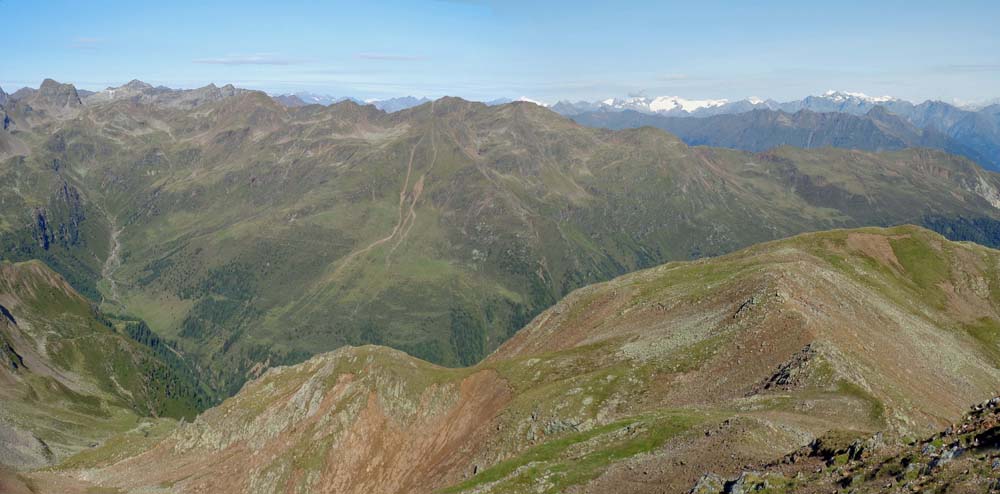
(875, 246)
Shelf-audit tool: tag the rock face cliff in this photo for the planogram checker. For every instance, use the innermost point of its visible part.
(641, 384)
(54, 95)
(52, 100)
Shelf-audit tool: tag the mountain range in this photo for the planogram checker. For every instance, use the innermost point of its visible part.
(828, 102)
(760, 130)
(817, 354)
(217, 290)
(845, 120)
(393, 105)
(961, 123)
(389, 105)
(248, 234)
(303, 98)
(971, 131)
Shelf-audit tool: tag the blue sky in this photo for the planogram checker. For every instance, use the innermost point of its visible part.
(546, 50)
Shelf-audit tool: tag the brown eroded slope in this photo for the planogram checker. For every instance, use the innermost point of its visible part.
(640, 384)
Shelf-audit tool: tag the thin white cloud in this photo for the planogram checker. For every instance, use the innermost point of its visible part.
(392, 57)
(254, 59)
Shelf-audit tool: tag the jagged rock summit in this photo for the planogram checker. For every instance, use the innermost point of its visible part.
(54, 94)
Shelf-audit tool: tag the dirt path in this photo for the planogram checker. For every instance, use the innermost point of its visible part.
(418, 189)
(403, 193)
(399, 223)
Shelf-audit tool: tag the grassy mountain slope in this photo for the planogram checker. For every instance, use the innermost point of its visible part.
(256, 234)
(71, 376)
(634, 385)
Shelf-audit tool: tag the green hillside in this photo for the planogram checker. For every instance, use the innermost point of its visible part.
(72, 376)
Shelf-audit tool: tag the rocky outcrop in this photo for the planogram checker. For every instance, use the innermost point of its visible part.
(52, 100)
(9, 357)
(22, 450)
(965, 457)
(6, 316)
(61, 222)
(55, 95)
(790, 374)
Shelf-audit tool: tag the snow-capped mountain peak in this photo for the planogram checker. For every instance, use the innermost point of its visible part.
(660, 104)
(847, 95)
(529, 100)
(667, 103)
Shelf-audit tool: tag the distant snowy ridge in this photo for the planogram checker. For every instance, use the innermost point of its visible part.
(830, 101)
(660, 104)
(847, 95)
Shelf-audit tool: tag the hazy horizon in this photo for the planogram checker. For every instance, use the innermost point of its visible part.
(484, 50)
